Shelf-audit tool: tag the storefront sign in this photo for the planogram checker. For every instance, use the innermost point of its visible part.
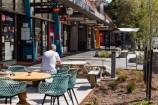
(3, 17)
(50, 10)
(75, 19)
(45, 4)
(63, 18)
(6, 18)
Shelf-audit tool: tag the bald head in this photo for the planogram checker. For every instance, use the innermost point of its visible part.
(53, 47)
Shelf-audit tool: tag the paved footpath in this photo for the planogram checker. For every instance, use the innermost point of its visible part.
(82, 87)
(120, 62)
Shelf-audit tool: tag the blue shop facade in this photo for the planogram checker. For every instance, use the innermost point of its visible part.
(25, 35)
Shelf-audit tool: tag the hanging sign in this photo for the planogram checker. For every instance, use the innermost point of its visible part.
(45, 4)
(50, 10)
(62, 18)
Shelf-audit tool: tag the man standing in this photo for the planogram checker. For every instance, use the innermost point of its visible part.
(49, 60)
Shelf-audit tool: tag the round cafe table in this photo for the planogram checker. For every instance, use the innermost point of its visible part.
(23, 76)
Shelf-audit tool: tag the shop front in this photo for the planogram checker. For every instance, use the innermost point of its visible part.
(7, 36)
(24, 35)
(9, 29)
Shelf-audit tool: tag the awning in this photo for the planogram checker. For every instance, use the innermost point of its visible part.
(86, 10)
(128, 29)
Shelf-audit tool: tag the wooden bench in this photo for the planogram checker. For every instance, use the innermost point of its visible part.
(94, 71)
(93, 67)
(92, 77)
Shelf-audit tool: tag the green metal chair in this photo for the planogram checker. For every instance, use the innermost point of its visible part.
(17, 68)
(63, 69)
(10, 88)
(56, 88)
(71, 84)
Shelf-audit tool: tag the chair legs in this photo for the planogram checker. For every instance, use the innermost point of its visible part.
(7, 99)
(70, 95)
(74, 95)
(10, 100)
(66, 100)
(53, 99)
(44, 99)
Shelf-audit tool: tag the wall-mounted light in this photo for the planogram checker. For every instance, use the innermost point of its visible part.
(69, 11)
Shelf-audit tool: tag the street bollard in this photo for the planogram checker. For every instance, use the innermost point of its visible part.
(97, 53)
(113, 64)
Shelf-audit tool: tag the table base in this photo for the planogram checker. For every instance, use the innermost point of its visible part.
(22, 97)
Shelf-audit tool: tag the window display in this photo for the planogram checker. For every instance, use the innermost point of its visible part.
(7, 37)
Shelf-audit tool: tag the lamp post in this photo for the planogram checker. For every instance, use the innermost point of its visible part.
(149, 57)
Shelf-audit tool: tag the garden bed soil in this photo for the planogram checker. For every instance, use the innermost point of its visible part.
(105, 95)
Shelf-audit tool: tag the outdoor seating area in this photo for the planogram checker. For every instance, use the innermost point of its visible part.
(67, 87)
(64, 83)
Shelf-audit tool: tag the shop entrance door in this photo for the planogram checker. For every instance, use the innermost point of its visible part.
(24, 46)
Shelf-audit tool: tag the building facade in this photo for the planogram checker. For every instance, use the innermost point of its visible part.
(27, 31)
(25, 35)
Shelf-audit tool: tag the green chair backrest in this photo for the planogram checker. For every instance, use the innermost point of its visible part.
(9, 87)
(17, 68)
(63, 69)
(58, 87)
(72, 79)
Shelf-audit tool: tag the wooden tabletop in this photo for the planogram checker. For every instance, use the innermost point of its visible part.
(35, 76)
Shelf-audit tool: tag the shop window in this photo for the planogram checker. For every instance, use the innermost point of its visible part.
(44, 34)
(38, 38)
(7, 37)
(7, 4)
(19, 5)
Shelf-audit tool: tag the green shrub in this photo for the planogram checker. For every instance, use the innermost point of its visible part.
(130, 86)
(122, 78)
(104, 54)
(119, 71)
(144, 102)
(88, 103)
(113, 85)
(93, 101)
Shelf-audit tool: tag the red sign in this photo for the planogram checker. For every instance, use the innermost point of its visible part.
(62, 18)
(50, 10)
(101, 38)
(3, 17)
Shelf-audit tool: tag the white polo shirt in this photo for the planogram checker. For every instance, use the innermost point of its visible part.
(49, 61)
